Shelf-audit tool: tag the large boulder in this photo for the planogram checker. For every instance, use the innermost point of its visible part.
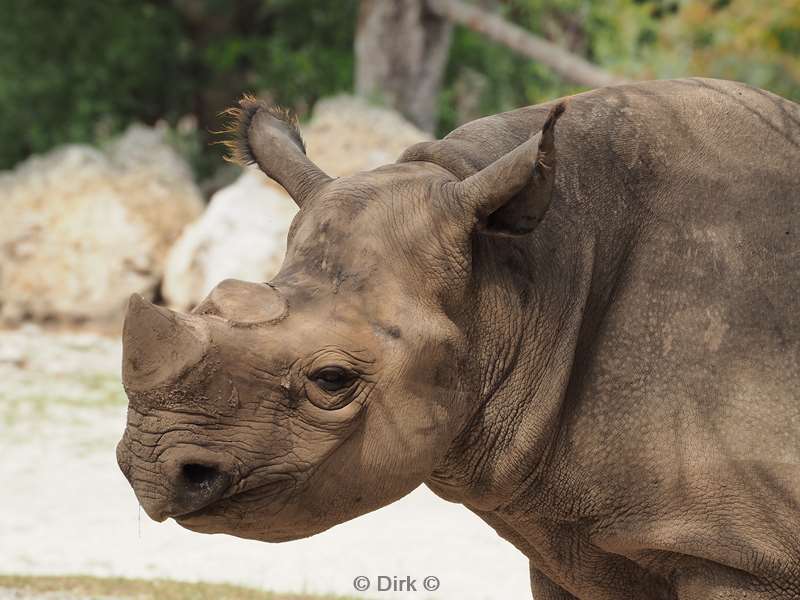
(84, 228)
(243, 232)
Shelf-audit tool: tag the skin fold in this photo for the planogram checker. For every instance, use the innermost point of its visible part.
(578, 319)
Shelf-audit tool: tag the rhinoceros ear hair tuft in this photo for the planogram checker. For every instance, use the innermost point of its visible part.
(237, 127)
(269, 137)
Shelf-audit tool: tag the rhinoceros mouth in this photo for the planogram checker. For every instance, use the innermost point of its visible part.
(232, 506)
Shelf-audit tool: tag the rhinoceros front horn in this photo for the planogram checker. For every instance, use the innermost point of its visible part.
(158, 345)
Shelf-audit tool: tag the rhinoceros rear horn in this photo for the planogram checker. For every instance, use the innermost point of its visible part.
(159, 345)
(269, 137)
(511, 195)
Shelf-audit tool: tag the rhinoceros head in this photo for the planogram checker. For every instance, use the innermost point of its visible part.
(276, 410)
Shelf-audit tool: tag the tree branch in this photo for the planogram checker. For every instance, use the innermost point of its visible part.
(570, 66)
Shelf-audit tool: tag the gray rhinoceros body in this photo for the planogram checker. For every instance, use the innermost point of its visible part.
(673, 247)
(619, 394)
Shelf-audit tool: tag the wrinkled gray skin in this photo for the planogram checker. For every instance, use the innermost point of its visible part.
(615, 390)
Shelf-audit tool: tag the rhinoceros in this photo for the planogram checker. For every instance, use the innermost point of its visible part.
(580, 319)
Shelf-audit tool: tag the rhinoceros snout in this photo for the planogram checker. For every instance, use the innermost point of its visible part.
(189, 480)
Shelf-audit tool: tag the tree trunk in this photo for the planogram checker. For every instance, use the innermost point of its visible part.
(570, 66)
(401, 52)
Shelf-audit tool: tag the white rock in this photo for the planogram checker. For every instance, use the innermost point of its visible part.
(242, 235)
(82, 229)
(347, 135)
(243, 232)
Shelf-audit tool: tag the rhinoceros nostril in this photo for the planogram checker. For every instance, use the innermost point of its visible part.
(190, 479)
(200, 475)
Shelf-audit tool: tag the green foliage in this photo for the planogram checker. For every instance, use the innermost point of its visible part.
(72, 70)
(78, 71)
(754, 42)
(733, 39)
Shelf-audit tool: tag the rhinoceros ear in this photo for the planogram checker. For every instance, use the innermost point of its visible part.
(269, 137)
(511, 195)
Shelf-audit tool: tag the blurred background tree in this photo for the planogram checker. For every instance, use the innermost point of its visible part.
(80, 71)
(77, 71)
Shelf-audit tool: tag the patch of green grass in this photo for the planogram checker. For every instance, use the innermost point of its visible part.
(33, 396)
(141, 589)
(106, 389)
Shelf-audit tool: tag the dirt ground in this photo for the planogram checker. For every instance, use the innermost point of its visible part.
(66, 508)
(117, 588)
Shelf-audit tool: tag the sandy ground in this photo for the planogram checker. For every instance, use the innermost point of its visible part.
(6, 594)
(65, 507)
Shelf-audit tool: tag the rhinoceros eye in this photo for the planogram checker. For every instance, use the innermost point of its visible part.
(332, 379)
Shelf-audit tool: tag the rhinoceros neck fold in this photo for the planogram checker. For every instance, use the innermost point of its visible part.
(525, 352)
